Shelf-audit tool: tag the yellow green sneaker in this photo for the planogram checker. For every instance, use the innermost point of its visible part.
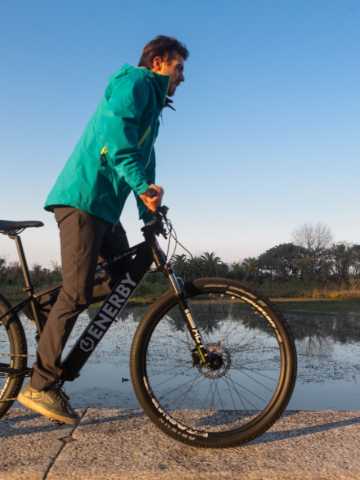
(53, 403)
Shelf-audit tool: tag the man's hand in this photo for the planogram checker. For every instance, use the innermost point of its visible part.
(152, 197)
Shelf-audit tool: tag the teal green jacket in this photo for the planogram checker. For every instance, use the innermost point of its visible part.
(115, 154)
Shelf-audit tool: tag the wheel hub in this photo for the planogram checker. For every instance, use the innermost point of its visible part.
(219, 361)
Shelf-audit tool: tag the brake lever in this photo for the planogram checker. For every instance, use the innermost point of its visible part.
(161, 214)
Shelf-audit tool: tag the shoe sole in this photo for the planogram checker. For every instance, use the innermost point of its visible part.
(26, 402)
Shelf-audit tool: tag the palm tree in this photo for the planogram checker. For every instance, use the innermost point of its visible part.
(180, 264)
(251, 268)
(211, 263)
(196, 267)
(237, 271)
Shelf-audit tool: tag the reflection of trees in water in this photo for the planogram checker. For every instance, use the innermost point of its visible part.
(316, 335)
(343, 328)
(210, 317)
(322, 365)
(207, 317)
(315, 345)
(311, 327)
(132, 313)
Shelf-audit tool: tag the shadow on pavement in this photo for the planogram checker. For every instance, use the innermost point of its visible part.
(14, 425)
(10, 427)
(300, 432)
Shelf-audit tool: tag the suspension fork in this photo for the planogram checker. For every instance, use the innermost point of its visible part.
(160, 261)
(188, 317)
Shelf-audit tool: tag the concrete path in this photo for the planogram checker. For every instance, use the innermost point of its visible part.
(118, 444)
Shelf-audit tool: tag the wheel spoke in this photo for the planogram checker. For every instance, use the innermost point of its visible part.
(258, 382)
(236, 391)
(242, 395)
(261, 374)
(247, 390)
(178, 387)
(219, 395)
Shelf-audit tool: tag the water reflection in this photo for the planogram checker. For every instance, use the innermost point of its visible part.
(340, 327)
(328, 346)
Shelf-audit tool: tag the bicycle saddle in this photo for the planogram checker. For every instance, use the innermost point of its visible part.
(9, 227)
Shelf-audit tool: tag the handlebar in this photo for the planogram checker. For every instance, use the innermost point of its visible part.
(157, 225)
(162, 211)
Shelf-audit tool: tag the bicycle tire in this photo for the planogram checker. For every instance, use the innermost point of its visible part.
(13, 353)
(252, 319)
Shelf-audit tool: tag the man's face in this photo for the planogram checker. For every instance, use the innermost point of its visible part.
(173, 68)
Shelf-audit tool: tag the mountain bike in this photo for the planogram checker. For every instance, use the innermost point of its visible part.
(212, 363)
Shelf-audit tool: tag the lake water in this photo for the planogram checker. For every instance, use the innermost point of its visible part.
(328, 346)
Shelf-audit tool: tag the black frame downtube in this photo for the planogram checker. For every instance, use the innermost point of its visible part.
(113, 305)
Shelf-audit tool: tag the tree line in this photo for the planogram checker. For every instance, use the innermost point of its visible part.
(312, 260)
(11, 278)
(339, 263)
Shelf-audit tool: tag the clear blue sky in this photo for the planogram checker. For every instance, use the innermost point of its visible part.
(266, 132)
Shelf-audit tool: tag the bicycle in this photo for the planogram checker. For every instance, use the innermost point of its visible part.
(212, 363)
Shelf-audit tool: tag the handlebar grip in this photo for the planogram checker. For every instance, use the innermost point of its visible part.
(162, 210)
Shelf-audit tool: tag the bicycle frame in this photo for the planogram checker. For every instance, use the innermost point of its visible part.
(29, 289)
(136, 262)
(139, 260)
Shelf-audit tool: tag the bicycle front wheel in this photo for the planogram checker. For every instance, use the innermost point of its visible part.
(234, 399)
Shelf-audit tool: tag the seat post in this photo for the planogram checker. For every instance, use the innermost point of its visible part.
(24, 267)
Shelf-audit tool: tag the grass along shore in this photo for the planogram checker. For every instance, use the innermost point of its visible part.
(318, 299)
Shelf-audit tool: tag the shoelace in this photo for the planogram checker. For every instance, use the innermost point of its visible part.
(64, 394)
(60, 393)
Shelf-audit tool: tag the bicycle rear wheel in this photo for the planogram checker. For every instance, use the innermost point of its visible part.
(13, 357)
(234, 400)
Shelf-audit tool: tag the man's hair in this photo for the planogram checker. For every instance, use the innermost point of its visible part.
(164, 47)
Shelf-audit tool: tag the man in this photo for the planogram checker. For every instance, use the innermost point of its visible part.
(114, 156)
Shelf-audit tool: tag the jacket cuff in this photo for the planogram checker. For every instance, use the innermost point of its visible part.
(142, 189)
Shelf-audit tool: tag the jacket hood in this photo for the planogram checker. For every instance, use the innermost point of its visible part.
(160, 82)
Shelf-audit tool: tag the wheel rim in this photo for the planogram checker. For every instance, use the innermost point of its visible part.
(7, 357)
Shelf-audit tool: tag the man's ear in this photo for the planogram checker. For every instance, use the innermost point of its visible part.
(157, 63)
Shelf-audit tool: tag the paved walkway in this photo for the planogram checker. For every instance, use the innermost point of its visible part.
(118, 444)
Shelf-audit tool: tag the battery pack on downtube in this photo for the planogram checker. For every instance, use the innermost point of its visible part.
(113, 305)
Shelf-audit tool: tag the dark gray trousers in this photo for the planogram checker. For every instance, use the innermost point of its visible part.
(84, 238)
